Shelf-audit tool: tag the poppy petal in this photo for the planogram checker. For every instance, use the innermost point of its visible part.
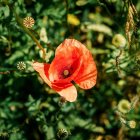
(42, 69)
(60, 86)
(69, 93)
(88, 73)
(87, 82)
(68, 44)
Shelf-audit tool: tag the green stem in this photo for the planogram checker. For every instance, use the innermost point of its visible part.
(19, 21)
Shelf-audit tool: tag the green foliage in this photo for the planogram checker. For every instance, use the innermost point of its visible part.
(29, 109)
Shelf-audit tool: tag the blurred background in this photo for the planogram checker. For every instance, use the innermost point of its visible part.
(30, 109)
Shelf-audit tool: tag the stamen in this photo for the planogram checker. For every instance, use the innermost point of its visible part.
(66, 72)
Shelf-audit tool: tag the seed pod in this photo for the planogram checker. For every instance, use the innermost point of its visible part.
(21, 66)
(28, 22)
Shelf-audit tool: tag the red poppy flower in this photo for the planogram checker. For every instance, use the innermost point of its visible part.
(73, 62)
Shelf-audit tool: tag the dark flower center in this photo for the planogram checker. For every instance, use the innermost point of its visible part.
(66, 72)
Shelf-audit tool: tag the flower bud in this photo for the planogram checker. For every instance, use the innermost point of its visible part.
(62, 101)
(62, 134)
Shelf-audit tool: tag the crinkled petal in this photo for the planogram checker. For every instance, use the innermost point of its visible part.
(87, 75)
(69, 93)
(42, 69)
(87, 81)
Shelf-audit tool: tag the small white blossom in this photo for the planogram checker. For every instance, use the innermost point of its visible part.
(119, 40)
(43, 35)
(132, 124)
(124, 106)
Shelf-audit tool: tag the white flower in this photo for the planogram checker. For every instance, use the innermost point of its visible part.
(81, 2)
(124, 106)
(48, 54)
(119, 40)
(100, 28)
(132, 124)
(43, 35)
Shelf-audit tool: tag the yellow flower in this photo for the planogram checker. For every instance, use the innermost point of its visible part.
(119, 40)
(124, 106)
(73, 20)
